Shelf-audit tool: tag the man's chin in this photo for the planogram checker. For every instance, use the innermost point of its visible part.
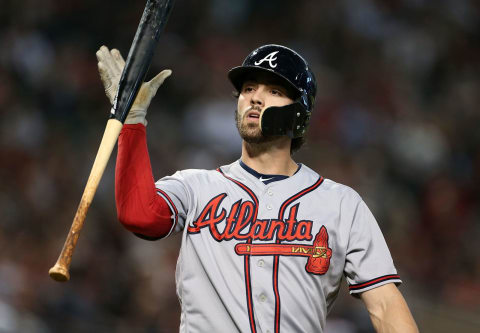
(251, 133)
(255, 137)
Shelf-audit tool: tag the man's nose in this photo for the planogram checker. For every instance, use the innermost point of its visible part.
(258, 97)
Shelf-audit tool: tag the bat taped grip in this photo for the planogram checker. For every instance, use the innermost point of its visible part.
(59, 272)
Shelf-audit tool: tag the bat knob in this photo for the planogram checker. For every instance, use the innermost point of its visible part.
(59, 273)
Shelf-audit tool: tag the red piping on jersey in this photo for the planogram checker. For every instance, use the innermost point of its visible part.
(276, 261)
(298, 195)
(175, 211)
(374, 281)
(248, 283)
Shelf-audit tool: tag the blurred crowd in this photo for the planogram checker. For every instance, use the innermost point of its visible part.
(396, 118)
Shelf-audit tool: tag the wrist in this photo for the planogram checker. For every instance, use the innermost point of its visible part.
(134, 127)
(136, 116)
(135, 121)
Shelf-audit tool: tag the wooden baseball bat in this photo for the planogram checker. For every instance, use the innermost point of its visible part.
(154, 18)
(60, 272)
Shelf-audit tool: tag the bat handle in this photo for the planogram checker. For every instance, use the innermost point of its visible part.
(59, 272)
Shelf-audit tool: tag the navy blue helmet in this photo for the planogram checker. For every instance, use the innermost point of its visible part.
(295, 73)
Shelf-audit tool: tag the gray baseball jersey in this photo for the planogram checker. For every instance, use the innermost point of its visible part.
(268, 258)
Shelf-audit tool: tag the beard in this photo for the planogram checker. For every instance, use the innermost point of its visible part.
(251, 132)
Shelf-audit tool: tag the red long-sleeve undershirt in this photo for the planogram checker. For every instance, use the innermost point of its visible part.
(139, 208)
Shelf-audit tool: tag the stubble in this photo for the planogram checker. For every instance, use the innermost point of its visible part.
(250, 132)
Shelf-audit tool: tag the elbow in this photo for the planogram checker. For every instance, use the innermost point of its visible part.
(146, 224)
(129, 221)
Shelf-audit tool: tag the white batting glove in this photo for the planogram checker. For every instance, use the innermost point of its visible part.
(110, 66)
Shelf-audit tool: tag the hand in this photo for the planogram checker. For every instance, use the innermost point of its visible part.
(110, 67)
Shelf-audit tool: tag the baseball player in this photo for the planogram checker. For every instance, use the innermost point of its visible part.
(265, 240)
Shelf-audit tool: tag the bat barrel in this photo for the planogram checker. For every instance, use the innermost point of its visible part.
(154, 19)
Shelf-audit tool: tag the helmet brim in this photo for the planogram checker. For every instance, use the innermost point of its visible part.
(238, 75)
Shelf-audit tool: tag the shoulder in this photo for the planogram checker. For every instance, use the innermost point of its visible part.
(334, 189)
(189, 175)
(340, 190)
(195, 174)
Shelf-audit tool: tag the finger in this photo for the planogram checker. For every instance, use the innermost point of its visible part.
(157, 81)
(99, 53)
(102, 54)
(115, 63)
(107, 82)
(106, 57)
(103, 73)
(104, 76)
(118, 58)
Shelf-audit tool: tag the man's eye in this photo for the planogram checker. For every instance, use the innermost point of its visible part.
(248, 89)
(276, 92)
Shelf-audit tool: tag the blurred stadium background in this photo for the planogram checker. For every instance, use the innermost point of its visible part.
(397, 118)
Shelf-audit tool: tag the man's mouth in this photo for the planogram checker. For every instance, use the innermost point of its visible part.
(252, 113)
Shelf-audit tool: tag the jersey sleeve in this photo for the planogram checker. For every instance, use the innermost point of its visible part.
(177, 194)
(368, 261)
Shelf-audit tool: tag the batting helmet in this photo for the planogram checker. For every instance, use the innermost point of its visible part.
(295, 73)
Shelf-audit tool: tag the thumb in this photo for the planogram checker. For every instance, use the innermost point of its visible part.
(157, 81)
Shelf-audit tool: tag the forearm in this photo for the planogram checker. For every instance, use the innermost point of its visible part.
(388, 310)
(140, 209)
(393, 319)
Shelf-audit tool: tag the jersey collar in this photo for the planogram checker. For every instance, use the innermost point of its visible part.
(266, 179)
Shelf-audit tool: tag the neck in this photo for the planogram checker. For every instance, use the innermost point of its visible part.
(271, 158)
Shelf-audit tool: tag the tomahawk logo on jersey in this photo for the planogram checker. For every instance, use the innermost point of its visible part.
(255, 256)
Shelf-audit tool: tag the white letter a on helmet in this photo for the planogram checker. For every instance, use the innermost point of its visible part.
(270, 58)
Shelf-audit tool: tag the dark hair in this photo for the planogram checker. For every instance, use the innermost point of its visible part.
(296, 144)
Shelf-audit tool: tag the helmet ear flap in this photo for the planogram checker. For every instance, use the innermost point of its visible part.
(291, 120)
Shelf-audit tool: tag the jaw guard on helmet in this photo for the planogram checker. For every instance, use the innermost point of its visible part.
(295, 74)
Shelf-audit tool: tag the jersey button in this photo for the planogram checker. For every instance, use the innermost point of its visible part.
(261, 263)
(263, 298)
(269, 207)
(270, 192)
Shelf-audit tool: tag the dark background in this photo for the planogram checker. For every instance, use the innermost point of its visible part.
(396, 118)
